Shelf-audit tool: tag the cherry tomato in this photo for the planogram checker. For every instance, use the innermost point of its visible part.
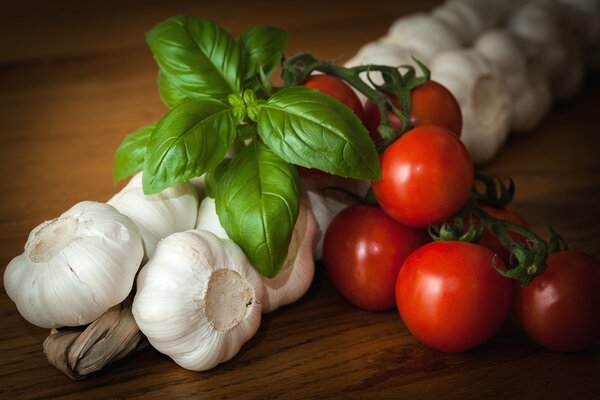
(363, 251)
(426, 176)
(490, 240)
(450, 297)
(431, 104)
(560, 309)
(337, 88)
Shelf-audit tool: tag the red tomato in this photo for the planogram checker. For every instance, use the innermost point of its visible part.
(431, 104)
(337, 88)
(560, 309)
(363, 250)
(426, 177)
(450, 297)
(490, 240)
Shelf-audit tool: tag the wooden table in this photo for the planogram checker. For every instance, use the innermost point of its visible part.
(75, 77)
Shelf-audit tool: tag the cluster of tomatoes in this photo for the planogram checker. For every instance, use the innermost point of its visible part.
(448, 293)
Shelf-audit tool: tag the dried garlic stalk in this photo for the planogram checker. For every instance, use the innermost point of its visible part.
(80, 352)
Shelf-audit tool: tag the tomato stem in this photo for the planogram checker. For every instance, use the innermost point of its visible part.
(299, 67)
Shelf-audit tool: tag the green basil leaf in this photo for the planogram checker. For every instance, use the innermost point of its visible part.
(314, 130)
(257, 203)
(129, 157)
(188, 141)
(261, 47)
(197, 59)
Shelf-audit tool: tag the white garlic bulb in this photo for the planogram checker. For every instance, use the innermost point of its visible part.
(298, 270)
(463, 18)
(75, 267)
(198, 299)
(422, 35)
(485, 104)
(158, 215)
(521, 75)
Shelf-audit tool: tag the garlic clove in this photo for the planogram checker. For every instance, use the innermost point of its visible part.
(208, 219)
(485, 104)
(198, 299)
(75, 267)
(158, 215)
(296, 276)
(422, 35)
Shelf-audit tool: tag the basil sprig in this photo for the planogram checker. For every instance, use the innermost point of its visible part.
(218, 91)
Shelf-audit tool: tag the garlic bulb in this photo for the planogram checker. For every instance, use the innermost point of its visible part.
(298, 270)
(198, 299)
(75, 267)
(422, 35)
(484, 102)
(464, 19)
(522, 76)
(540, 26)
(158, 215)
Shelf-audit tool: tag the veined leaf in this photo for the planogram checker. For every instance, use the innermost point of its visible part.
(188, 141)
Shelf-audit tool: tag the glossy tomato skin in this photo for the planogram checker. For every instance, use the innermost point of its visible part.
(450, 297)
(426, 176)
(431, 104)
(363, 251)
(490, 240)
(337, 88)
(560, 309)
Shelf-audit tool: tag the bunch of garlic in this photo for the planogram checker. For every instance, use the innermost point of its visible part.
(521, 75)
(198, 299)
(158, 215)
(75, 267)
(484, 102)
(297, 273)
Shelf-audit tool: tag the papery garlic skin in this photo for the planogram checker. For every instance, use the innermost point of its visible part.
(485, 104)
(198, 299)
(298, 270)
(75, 267)
(175, 209)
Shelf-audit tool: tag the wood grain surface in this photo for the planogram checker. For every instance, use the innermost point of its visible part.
(75, 77)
